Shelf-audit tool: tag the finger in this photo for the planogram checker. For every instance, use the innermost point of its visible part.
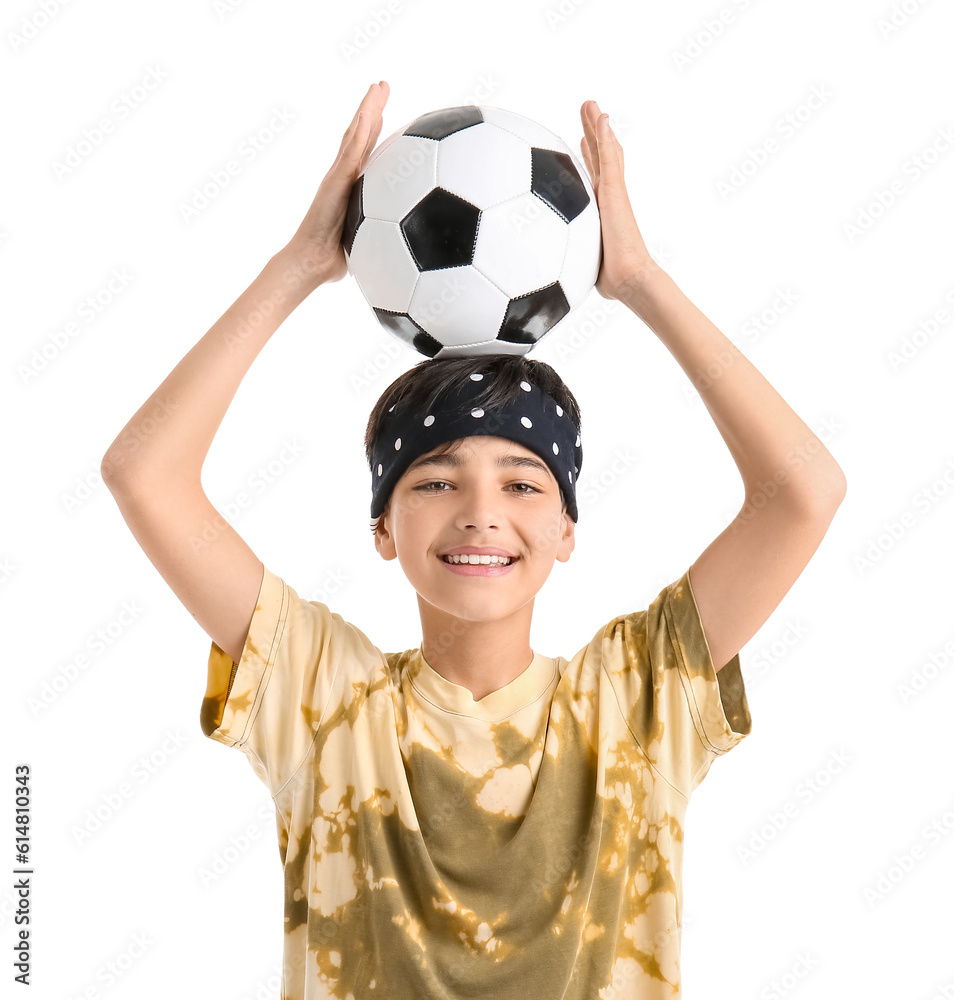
(352, 125)
(612, 193)
(360, 139)
(616, 144)
(353, 141)
(371, 105)
(609, 150)
(588, 160)
(371, 116)
(586, 114)
(375, 99)
(372, 139)
(591, 113)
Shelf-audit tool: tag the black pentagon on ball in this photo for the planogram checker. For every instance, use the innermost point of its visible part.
(354, 215)
(441, 231)
(407, 330)
(447, 121)
(555, 180)
(529, 317)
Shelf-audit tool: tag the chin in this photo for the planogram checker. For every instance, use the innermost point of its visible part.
(472, 607)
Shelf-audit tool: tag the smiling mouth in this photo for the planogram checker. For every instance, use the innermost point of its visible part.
(476, 560)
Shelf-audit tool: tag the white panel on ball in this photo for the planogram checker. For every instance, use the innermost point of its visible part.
(505, 163)
(581, 266)
(383, 145)
(532, 133)
(383, 268)
(457, 306)
(401, 178)
(494, 347)
(522, 244)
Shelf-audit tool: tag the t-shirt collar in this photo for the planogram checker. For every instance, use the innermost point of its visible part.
(520, 692)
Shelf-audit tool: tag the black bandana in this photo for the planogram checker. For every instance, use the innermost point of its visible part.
(534, 420)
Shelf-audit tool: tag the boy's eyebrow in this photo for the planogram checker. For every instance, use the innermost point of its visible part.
(503, 461)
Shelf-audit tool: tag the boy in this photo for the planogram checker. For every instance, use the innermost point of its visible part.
(471, 818)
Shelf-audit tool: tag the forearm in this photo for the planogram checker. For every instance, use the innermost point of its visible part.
(777, 454)
(169, 436)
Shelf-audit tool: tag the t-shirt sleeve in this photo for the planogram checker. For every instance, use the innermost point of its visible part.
(271, 703)
(679, 710)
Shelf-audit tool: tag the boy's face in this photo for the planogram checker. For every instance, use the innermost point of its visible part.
(470, 498)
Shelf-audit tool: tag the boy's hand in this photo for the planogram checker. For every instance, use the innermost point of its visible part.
(626, 261)
(317, 242)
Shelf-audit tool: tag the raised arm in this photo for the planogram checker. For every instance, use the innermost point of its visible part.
(793, 485)
(153, 469)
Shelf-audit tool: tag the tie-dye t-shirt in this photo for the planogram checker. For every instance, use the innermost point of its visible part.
(527, 845)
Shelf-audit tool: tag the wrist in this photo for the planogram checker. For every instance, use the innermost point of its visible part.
(637, 290)
(301, 267)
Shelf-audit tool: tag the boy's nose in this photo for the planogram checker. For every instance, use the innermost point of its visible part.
(479, 508)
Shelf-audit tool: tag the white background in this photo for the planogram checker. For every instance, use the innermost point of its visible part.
(801, 254)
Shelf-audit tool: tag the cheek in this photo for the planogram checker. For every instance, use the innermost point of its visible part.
(414, 533)
(545, 533)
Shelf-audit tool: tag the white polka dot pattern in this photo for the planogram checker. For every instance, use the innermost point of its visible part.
(535, 420)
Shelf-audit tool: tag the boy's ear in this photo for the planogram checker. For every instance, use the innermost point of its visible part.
(383, 540)
(568, 538)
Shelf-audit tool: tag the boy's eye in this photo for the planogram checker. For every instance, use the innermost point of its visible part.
(426, 487)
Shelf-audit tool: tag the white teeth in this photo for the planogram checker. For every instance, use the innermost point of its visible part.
(474, 560)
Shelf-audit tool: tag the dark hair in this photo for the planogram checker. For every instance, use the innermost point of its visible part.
(421, 386)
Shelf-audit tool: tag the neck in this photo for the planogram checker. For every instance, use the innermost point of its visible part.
(482, 656)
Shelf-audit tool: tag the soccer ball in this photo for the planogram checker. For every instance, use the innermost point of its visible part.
(472, 230)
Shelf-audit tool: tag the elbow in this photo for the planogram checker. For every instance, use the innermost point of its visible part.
(827, 488)
(815, 499)
(107, 469)
(823, 483)
(837, 488)
(113, 471)
(842, 490)
(829, 495)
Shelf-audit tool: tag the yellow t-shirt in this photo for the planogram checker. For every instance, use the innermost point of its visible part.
(526, 845)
